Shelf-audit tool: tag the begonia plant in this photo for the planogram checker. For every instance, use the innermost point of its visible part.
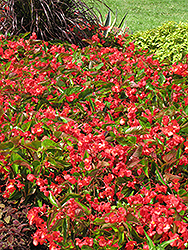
(96, 140)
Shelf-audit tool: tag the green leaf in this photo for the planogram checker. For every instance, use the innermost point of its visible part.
(64, 228)
(184, 130)
(6, 146)
(73, 90)
(34, 145)
(26, 126)
(162, 78)
(99, 66)
(136, 236)
(58, 163)
(186, 110)
(108, 19)
(16, 195)
(67, 197)
(145, 169)
(15, 157)
(103, 84)
(134, 130)
(98, 221)
(178, 154)
(7, 66)
(86, 155)
(128, 140)
(57, 134)
(36, 166)
(160, 176)
(166, 243)
(182, 192)
(111, 117)
(53, 200)
(91, 104)
(39, 202)
(85, 93)
(1, 112)
(121, 237)
(93, 172)
(150, 242)
(122, 21)
(122, 141)
(49, 143)
(86, 248)
(85, 208)
(51, 216)
(130, 217)
(145, 124)
(57, 224)
(63, 119)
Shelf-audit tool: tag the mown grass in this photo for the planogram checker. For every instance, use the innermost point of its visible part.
(147, 14)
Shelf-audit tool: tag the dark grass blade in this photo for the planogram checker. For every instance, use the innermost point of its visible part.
(122, 20)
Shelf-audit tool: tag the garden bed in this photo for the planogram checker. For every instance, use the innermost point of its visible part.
(95, 139)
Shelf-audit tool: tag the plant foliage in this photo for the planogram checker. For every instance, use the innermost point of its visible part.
(111, 27)
(70, 20)
(168, 42)
(15, 231)
(96, 139)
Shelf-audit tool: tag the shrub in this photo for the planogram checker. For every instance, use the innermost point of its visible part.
(69, 20)
(168, 42)
(96, 138)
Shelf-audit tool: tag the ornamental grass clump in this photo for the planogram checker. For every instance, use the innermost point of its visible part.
(96, 139)
(64, 20)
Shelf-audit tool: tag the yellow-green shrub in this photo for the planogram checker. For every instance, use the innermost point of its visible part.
(168, 42)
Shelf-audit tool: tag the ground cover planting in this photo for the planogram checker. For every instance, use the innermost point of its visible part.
(95, 139)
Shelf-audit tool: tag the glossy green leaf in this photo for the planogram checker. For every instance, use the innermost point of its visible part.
(99, 66)
(86, 155)
(91, 104)
(84, 207)
(166, 243)
(57, 225)
(158, 174)
(49, 143)
(150, 242)
(16, 195)
(34, 145)
(120, 237)
(178, 154)
(53, 200)
(87, 92)
(145, 169)
(162, 78)
(51, 217)
(26, 126)
(135, 235)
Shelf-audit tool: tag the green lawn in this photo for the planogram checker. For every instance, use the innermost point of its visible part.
(147, 14)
